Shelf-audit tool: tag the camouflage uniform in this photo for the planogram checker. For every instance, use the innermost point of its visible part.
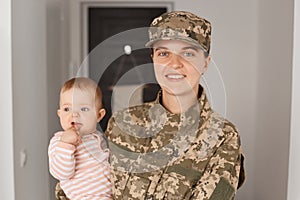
(160, 155)
(59, 193)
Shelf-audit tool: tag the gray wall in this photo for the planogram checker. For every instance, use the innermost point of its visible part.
(30, 116)
(40, 60)
(251, 45)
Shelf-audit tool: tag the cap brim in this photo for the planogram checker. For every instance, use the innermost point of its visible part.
(184, 39)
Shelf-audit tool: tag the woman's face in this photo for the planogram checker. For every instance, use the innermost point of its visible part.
(178, 66)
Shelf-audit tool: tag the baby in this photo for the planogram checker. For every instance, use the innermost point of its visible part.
(78, 155)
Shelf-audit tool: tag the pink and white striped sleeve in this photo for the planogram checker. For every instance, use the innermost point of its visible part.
(61, 158)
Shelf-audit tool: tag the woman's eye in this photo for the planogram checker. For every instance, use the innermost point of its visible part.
(163, 53)
(84, 109)
(188, 54)
(67, 109)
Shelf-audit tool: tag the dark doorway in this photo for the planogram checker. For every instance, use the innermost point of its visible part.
(110, 24)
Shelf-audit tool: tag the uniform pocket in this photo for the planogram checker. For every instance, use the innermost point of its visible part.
(177, 183)
(136, 187)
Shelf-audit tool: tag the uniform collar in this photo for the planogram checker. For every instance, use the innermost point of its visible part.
(204, 106)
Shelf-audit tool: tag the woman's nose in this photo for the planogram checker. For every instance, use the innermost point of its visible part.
(175, 61)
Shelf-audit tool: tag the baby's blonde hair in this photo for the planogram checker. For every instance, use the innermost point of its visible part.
(84, 83)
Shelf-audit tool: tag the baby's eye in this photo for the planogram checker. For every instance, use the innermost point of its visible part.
(85, 109)
(67, 109)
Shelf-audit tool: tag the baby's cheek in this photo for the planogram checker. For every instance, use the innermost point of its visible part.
(64, 124)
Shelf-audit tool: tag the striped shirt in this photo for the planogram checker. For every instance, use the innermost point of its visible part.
(83, 171)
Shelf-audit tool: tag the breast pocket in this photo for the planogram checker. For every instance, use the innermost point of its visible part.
(136, 187)
(177, 183)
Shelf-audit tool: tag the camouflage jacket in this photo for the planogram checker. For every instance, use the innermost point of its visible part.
(160, 155)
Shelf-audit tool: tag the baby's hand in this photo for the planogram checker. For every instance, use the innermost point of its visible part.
(71, 136)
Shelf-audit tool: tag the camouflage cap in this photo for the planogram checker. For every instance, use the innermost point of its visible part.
(181, 25)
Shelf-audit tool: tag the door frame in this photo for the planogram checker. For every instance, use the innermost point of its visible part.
(294, 160)
(79, 28)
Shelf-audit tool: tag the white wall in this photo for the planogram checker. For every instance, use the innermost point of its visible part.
(6, 133)
(275, 42)
(30, 99)
(294, 163)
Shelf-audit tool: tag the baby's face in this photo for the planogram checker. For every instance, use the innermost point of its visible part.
(77, 110)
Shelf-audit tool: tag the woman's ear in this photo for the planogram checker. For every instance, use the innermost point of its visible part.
(151, 52)
(207, 61)
(101, 114)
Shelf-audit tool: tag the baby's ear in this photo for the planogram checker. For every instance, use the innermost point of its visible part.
(101, 114)
(58, 113)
